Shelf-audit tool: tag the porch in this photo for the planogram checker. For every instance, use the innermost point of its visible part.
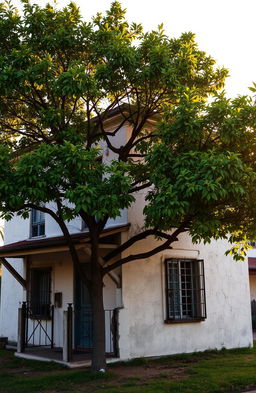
(36, 338)
(55, 320)
(48, 354)
(79, 359)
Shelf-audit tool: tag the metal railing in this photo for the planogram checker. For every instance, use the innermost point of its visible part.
(37, 329)
(39, 325)
(83, 332)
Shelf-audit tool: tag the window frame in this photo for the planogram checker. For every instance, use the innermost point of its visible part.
(37, 224)
(197, 292)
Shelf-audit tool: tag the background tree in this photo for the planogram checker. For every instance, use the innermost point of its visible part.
(61, 77)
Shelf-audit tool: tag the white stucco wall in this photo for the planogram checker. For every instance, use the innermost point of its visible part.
(252, 280)
(74, 226)
(17, 229)
(142, 329)
(12, 295)
(228, 323)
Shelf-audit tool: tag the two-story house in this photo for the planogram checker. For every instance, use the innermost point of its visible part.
(189, 298)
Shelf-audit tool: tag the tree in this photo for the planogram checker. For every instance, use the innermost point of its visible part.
(60, 78)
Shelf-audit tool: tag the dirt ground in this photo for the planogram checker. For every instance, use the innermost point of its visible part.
(141, 371)
(150, 370)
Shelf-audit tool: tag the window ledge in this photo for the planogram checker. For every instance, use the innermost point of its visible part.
(36, 237)
(187, 320)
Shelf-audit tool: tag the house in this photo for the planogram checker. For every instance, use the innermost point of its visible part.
(189, 298)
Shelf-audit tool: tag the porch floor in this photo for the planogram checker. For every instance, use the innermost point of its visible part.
(79, 359)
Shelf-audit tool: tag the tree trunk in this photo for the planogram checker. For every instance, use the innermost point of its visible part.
(98, 314)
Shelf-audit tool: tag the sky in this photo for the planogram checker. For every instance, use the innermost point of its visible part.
(225, 29)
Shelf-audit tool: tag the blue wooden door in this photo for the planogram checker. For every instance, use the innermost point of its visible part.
(83, 315)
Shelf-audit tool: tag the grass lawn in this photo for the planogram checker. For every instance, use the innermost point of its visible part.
(204, 372)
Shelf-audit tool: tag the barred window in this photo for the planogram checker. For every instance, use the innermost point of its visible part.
(37, 223)
(40, 292)
(185, 290)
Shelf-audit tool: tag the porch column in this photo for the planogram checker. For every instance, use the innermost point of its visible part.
(115, 331)
(67, 333)
(21, 328)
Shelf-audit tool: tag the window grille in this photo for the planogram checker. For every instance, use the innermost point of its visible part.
(37, 223)
(40, 293)
(185, 289)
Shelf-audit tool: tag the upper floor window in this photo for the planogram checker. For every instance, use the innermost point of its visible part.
(185, 290)
(37, 223)
(84, 226)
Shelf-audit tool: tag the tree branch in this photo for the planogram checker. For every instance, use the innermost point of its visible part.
(142, 187)
(144, 138)
(134, 239)
(162, 247)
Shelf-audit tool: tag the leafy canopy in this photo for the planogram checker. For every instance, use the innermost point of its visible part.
(67, 85)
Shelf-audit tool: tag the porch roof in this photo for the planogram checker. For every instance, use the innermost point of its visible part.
(58, 243)
(252, 263)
